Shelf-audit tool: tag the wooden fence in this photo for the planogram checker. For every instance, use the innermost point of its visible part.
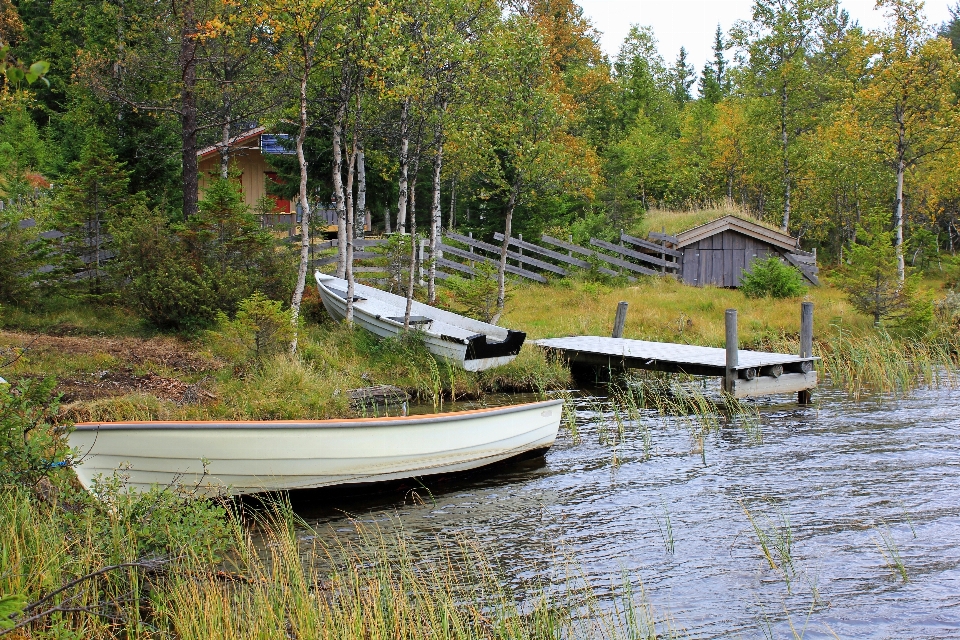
(459, 253)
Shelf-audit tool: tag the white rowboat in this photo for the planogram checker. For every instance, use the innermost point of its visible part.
(469, 343)
(249, 457)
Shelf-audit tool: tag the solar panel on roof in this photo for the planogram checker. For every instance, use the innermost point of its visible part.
(278, 144)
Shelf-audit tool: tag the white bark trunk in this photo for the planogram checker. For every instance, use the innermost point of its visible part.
(404, 162)
(338, 191)
(784, 144)
(361, 184)
(898, 222)
(304, 203)
(413, 254)
(502, 269)
(348, 267)
(225, 150)
(436, 225)
(453, 203)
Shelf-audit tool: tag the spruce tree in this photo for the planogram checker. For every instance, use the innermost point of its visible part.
(93, 197)
(871, 279)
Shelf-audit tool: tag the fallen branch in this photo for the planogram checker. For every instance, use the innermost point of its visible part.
(149, 565)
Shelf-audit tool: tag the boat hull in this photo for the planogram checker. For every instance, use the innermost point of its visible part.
(250, 457)
(471, 350)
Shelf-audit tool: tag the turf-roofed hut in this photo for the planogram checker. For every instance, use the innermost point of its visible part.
(719, 251)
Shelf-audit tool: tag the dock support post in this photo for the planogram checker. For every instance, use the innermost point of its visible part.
(733, 346)
(620, 320)
(806, 345)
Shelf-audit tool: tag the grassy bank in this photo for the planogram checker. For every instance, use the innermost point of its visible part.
(111, 367)
(245, 578)
(133, 378)
(855, 355)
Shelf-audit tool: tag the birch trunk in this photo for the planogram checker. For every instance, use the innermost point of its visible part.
(361, 186)
(436, 225)
(304, 203)
(404, 162)
(338, 191)
(348, 267)
(413, 255)
(502, 269)
(225, 148)
(784, 140)
(898, 214)
(453, 203)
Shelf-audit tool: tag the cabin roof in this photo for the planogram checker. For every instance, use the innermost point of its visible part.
(246, 136)
(735, 223)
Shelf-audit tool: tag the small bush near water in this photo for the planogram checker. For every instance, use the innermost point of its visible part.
(772, 278)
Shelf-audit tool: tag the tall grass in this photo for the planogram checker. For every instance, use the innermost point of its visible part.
(281, 579)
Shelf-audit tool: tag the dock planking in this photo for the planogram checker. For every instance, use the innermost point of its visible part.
(744, 372)
(758, 372)
(665, 356)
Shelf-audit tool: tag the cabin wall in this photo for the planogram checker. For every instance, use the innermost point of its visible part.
(720, 259)
(253, 170)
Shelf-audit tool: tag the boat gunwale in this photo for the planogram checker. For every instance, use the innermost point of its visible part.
(320, 278)
(226, 425)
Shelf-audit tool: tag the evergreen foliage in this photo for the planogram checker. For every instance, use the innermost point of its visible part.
(182, 275)
(870, 277)
(772, 278)
(94, 196)
(261, 329)
(475, 296)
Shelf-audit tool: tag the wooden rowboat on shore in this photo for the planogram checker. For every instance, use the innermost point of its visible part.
(469, 343)
(250, 457)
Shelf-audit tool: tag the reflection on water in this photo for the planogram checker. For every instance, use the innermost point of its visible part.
(840, 494)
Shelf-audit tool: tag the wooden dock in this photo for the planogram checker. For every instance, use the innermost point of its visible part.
(745, 373)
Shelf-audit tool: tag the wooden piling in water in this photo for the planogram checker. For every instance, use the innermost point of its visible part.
(806, 345)
(620, 320)
(733, 346)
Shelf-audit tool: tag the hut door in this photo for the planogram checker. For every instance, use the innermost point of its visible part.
(280, 205)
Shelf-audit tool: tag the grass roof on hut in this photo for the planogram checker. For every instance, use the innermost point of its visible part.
(675, 222)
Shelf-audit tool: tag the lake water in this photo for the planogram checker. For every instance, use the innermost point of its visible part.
(853, 484)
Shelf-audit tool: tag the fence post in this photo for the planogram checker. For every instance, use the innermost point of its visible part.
(806, 345)
(620, 320)
(663, 256)
(420, 262)
(732, 344)
(472, 263)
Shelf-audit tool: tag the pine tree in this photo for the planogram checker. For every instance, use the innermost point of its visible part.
(94, 196)
(682, 76)
(714, 84)
(951, 30)
(871, 280)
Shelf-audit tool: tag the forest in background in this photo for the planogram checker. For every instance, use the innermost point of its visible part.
(486, 114)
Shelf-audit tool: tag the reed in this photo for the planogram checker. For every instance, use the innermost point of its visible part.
(775, 537)
(280, 578)
(887, 545)
(666, 528)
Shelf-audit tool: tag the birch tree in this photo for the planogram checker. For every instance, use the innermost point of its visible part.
(909, 108)
(526, 120)
(776, 47)
(306, 28)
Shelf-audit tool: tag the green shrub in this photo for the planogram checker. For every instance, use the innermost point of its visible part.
(32, 446)
(772, 278)
(261, 328)
(870, 279)
(22, 253)
(475, 297)
(181, 275)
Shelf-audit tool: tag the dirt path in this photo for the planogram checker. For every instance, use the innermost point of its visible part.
(172, 354)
